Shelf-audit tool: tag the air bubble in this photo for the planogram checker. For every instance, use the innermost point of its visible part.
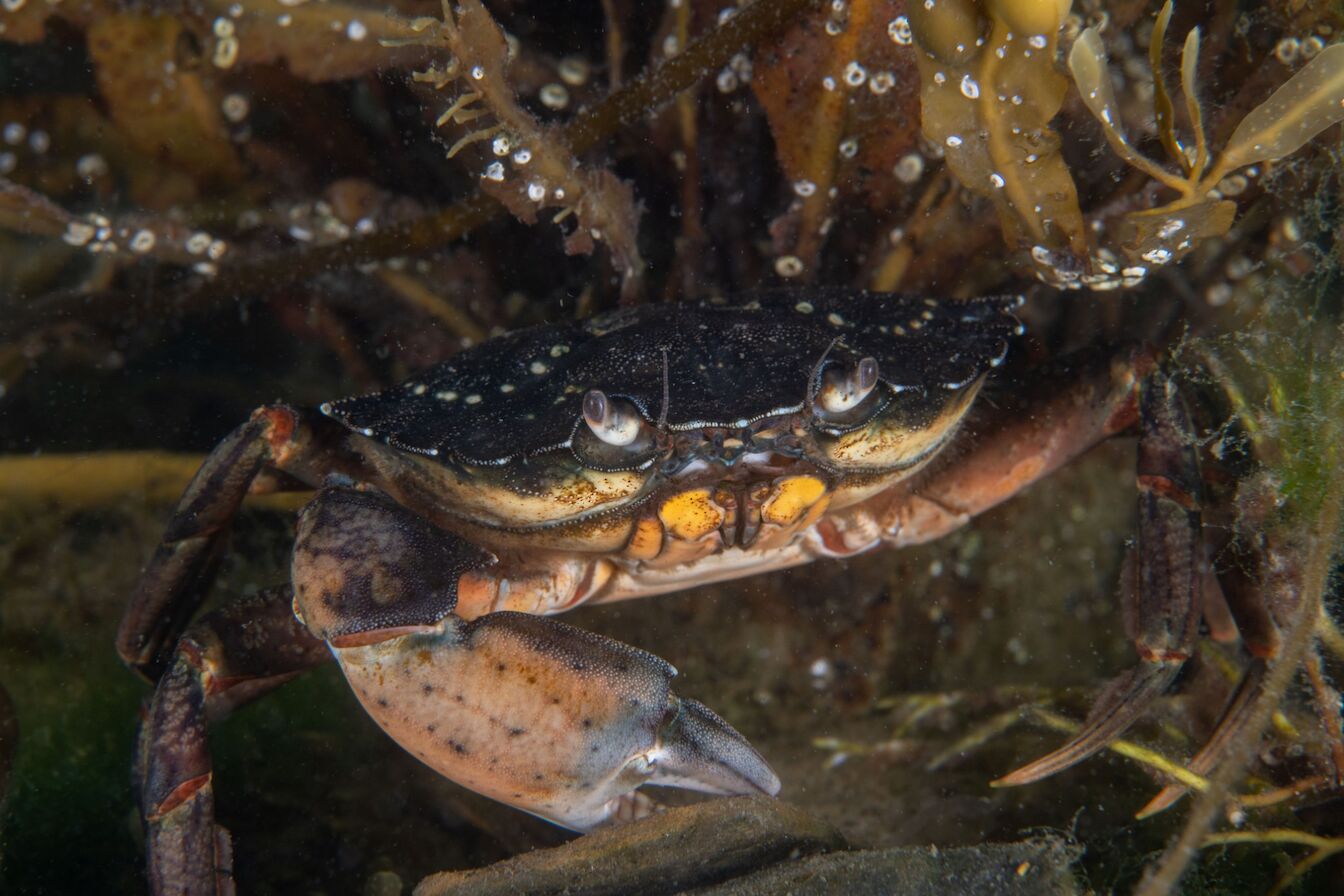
(855, 74)
(997, 180)
(226, 52)
(501, 145)
(91, 166)
(494, 171)
(1288, 50)
(554, 96)
(78, 233)
(477, 72)
(849, 148)
(969, 87)
(881, 82)
(536, 192)
(143, 241)
(1170, 228)
(898, 29)
(522, 156)
(804, 188)
(910, 168)
(953, 141)
(788, 266)
(235, 107)
(356, 30)
(574, 70)
(1037, 41)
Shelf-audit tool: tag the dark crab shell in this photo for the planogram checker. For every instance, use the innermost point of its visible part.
(720, 366)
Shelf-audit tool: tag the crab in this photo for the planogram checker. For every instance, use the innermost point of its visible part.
(634, 453)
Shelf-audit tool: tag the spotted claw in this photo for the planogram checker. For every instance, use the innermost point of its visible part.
(548, 718)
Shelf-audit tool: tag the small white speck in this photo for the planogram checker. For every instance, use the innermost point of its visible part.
(472, 399)
(356, 30)
(538, 368)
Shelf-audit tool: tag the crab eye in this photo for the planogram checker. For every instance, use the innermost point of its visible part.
(844, 388)
(611, 420)
(846, 395)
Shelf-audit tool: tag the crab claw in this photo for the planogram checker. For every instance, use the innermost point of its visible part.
(548, 718)
(544, 716)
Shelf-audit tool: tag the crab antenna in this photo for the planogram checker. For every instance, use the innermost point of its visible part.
(608, 421)
(814, 382)
(843, 388)
(667, 394)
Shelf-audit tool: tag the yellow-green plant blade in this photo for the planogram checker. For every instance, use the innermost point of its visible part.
(1311, 101)
(1087, 63)
(1163, 110)
(1189, 68)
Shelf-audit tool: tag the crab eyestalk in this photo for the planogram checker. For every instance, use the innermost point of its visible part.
(611, 420)
(844, 388)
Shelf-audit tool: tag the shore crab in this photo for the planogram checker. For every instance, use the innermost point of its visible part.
(633, 453)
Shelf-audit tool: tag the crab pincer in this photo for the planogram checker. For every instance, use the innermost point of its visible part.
(546, 717)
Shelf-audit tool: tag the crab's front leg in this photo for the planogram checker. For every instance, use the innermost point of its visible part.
(537, 714)
(1163, 579)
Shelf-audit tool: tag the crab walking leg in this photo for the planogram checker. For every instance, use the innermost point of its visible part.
(275, 450)
(230, 657)
(1161, 588)
(532, 712)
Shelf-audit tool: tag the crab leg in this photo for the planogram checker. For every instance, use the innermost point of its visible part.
(537, 714)
(230, 657)
(179, 574)
(1162, 590)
